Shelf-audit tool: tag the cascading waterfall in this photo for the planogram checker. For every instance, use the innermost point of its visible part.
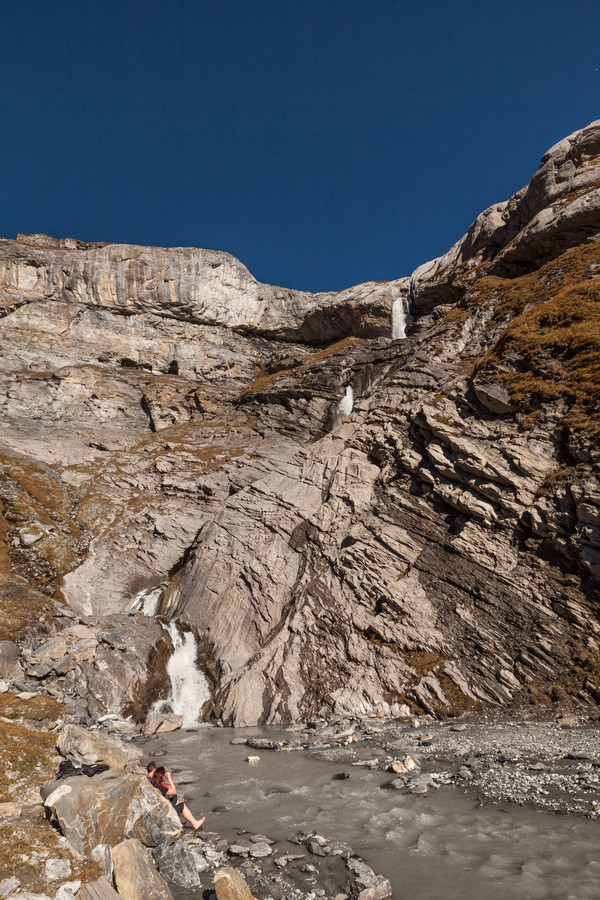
(399, 320)
(189, 687)
(345, 406)
(147, 602)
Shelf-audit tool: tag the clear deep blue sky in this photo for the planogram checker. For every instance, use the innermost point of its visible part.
(323, 142)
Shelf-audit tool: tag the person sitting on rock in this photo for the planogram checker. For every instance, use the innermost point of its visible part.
(162, 781)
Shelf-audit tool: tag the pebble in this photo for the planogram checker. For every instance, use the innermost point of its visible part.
(258, 851)
(418, 788)
(68, 890)
(8, 886)
(252, 760)
(57, 869)
(240, 849)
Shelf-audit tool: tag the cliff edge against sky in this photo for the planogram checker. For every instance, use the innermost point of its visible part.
(168, 420)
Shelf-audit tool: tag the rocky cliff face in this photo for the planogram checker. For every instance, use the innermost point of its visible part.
(170, 420)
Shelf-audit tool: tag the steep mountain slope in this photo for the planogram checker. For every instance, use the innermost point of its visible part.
(437, 546)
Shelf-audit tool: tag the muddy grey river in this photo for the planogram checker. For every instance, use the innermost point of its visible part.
(443, 844)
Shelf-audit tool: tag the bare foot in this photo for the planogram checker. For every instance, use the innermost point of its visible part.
(200, 823)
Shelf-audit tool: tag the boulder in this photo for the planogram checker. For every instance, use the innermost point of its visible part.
(366, 885)
(495, 397)
(159, 723)
(57, 869)
(49, 651)
(91, 747)
(102, 854)
(180, 864)
(230, 884)
(10, 667)
(98, 890)
(108, 808)
(68, 890)
(135, 876)
(8, 885)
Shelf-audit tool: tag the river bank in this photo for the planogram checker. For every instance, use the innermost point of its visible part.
(479, 817)
(479, 800)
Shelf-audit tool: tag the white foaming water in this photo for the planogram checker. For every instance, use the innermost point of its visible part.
(345, 406)
(398, 319)
(148, 601)
(189, 688)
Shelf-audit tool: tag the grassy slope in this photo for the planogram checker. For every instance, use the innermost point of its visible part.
(29, 758)
(549, 345)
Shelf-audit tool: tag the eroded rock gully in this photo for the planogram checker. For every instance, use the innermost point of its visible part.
(169, 419)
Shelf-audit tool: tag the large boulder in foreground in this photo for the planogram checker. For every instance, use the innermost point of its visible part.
(231, 885)
(91, 747)
(135, 876)
(109, 808)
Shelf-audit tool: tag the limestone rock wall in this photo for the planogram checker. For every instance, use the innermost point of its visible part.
(168, 419)
(558, 209)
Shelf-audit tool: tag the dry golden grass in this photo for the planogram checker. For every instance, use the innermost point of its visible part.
(27, 754)
(553, 328)
(38, 709)
(20, 607)
(29, 758)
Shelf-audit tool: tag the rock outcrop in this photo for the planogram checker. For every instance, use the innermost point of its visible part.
(231, 885)
(90, 748)
(170, 421)
(109, 808)
(135, 876)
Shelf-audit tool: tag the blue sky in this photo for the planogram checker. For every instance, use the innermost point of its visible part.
(322, 143)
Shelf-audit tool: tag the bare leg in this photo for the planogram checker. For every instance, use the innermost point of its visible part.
(187, 815)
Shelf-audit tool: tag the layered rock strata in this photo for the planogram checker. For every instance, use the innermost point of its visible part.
(169, 420)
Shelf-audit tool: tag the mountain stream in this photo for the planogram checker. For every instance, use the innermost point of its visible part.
(443, 844)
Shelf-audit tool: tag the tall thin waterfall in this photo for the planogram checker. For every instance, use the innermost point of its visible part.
(398, 319)
(189, 688)
(345, 406)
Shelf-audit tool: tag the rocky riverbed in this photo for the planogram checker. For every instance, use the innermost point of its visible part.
(343, 806)
(482, 806)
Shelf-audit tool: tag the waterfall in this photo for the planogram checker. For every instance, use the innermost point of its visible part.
(345, 406)
(189, 688)
(148, 601)
(399, 319)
